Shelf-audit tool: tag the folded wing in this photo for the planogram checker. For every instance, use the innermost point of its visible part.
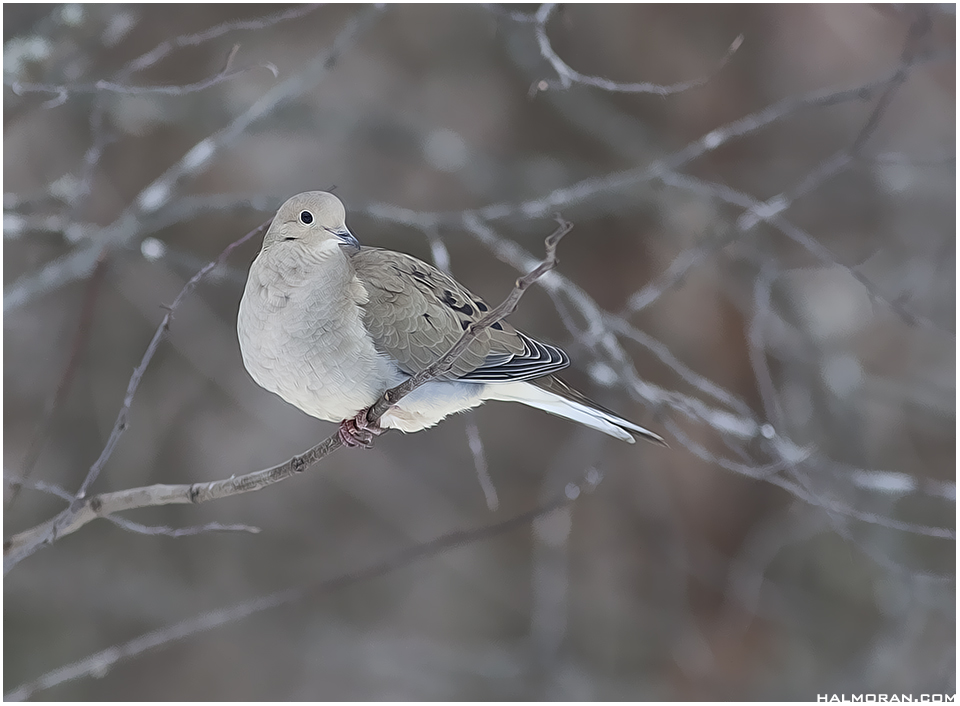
(415, 313)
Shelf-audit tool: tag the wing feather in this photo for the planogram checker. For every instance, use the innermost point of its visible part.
(416, 313)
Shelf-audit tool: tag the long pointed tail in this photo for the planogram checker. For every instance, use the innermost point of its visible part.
(553, 395)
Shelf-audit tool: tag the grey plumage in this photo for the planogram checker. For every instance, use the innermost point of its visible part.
(329, 326)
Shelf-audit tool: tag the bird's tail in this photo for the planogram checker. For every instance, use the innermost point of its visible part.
(553, 395)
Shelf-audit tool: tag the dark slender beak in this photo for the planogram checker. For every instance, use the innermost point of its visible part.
(347, 237)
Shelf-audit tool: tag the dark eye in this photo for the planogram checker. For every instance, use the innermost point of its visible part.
(306, 217)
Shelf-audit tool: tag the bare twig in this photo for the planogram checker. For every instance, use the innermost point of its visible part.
(763, 286)
(129, 525)
(104, 86)
(164, 49)
(163, 531)
(674, 275)
(85, 509)
(480, 462)
(101, 138)
(569, 76)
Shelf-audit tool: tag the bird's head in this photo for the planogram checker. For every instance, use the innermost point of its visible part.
(314, 218)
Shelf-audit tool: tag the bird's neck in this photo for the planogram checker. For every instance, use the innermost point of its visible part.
(294, 264)
(320, 280)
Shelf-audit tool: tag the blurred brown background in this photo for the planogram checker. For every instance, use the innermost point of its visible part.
(746, 562)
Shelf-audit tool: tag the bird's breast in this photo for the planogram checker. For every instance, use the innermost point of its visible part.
(302, 337)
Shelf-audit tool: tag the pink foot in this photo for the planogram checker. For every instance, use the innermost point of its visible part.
(359, 431)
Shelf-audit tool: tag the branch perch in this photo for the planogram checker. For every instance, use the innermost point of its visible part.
(87, 509)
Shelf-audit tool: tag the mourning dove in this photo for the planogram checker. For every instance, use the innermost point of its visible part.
(330, 326)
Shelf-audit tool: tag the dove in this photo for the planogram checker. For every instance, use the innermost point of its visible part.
(330, 325)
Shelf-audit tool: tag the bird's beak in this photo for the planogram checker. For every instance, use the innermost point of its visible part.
(347, 237)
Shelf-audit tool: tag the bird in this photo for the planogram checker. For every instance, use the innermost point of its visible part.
(330, 326)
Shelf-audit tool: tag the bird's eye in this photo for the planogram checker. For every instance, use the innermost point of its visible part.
(306, 217)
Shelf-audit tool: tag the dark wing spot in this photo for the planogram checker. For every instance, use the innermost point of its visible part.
(464, 325)
(480, 305)
(451, 301)
(497, 326)
(417, 274)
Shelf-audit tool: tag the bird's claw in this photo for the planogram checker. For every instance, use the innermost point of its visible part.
(359, 431)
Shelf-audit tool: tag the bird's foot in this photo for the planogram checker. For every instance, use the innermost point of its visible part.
(359, 431)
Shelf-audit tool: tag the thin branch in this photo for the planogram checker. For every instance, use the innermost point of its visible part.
(16, 224)
(674, 275)
(129, 525)
(569, 76)
(85, 509)
(685, 373)
(164, 531)
(104, 86)
(480, 463)
(163, 49)
(101, 138)
(919, 28)
(757, 350)
(898, 484)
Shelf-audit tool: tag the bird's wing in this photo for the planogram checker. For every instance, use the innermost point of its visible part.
(416, 313)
